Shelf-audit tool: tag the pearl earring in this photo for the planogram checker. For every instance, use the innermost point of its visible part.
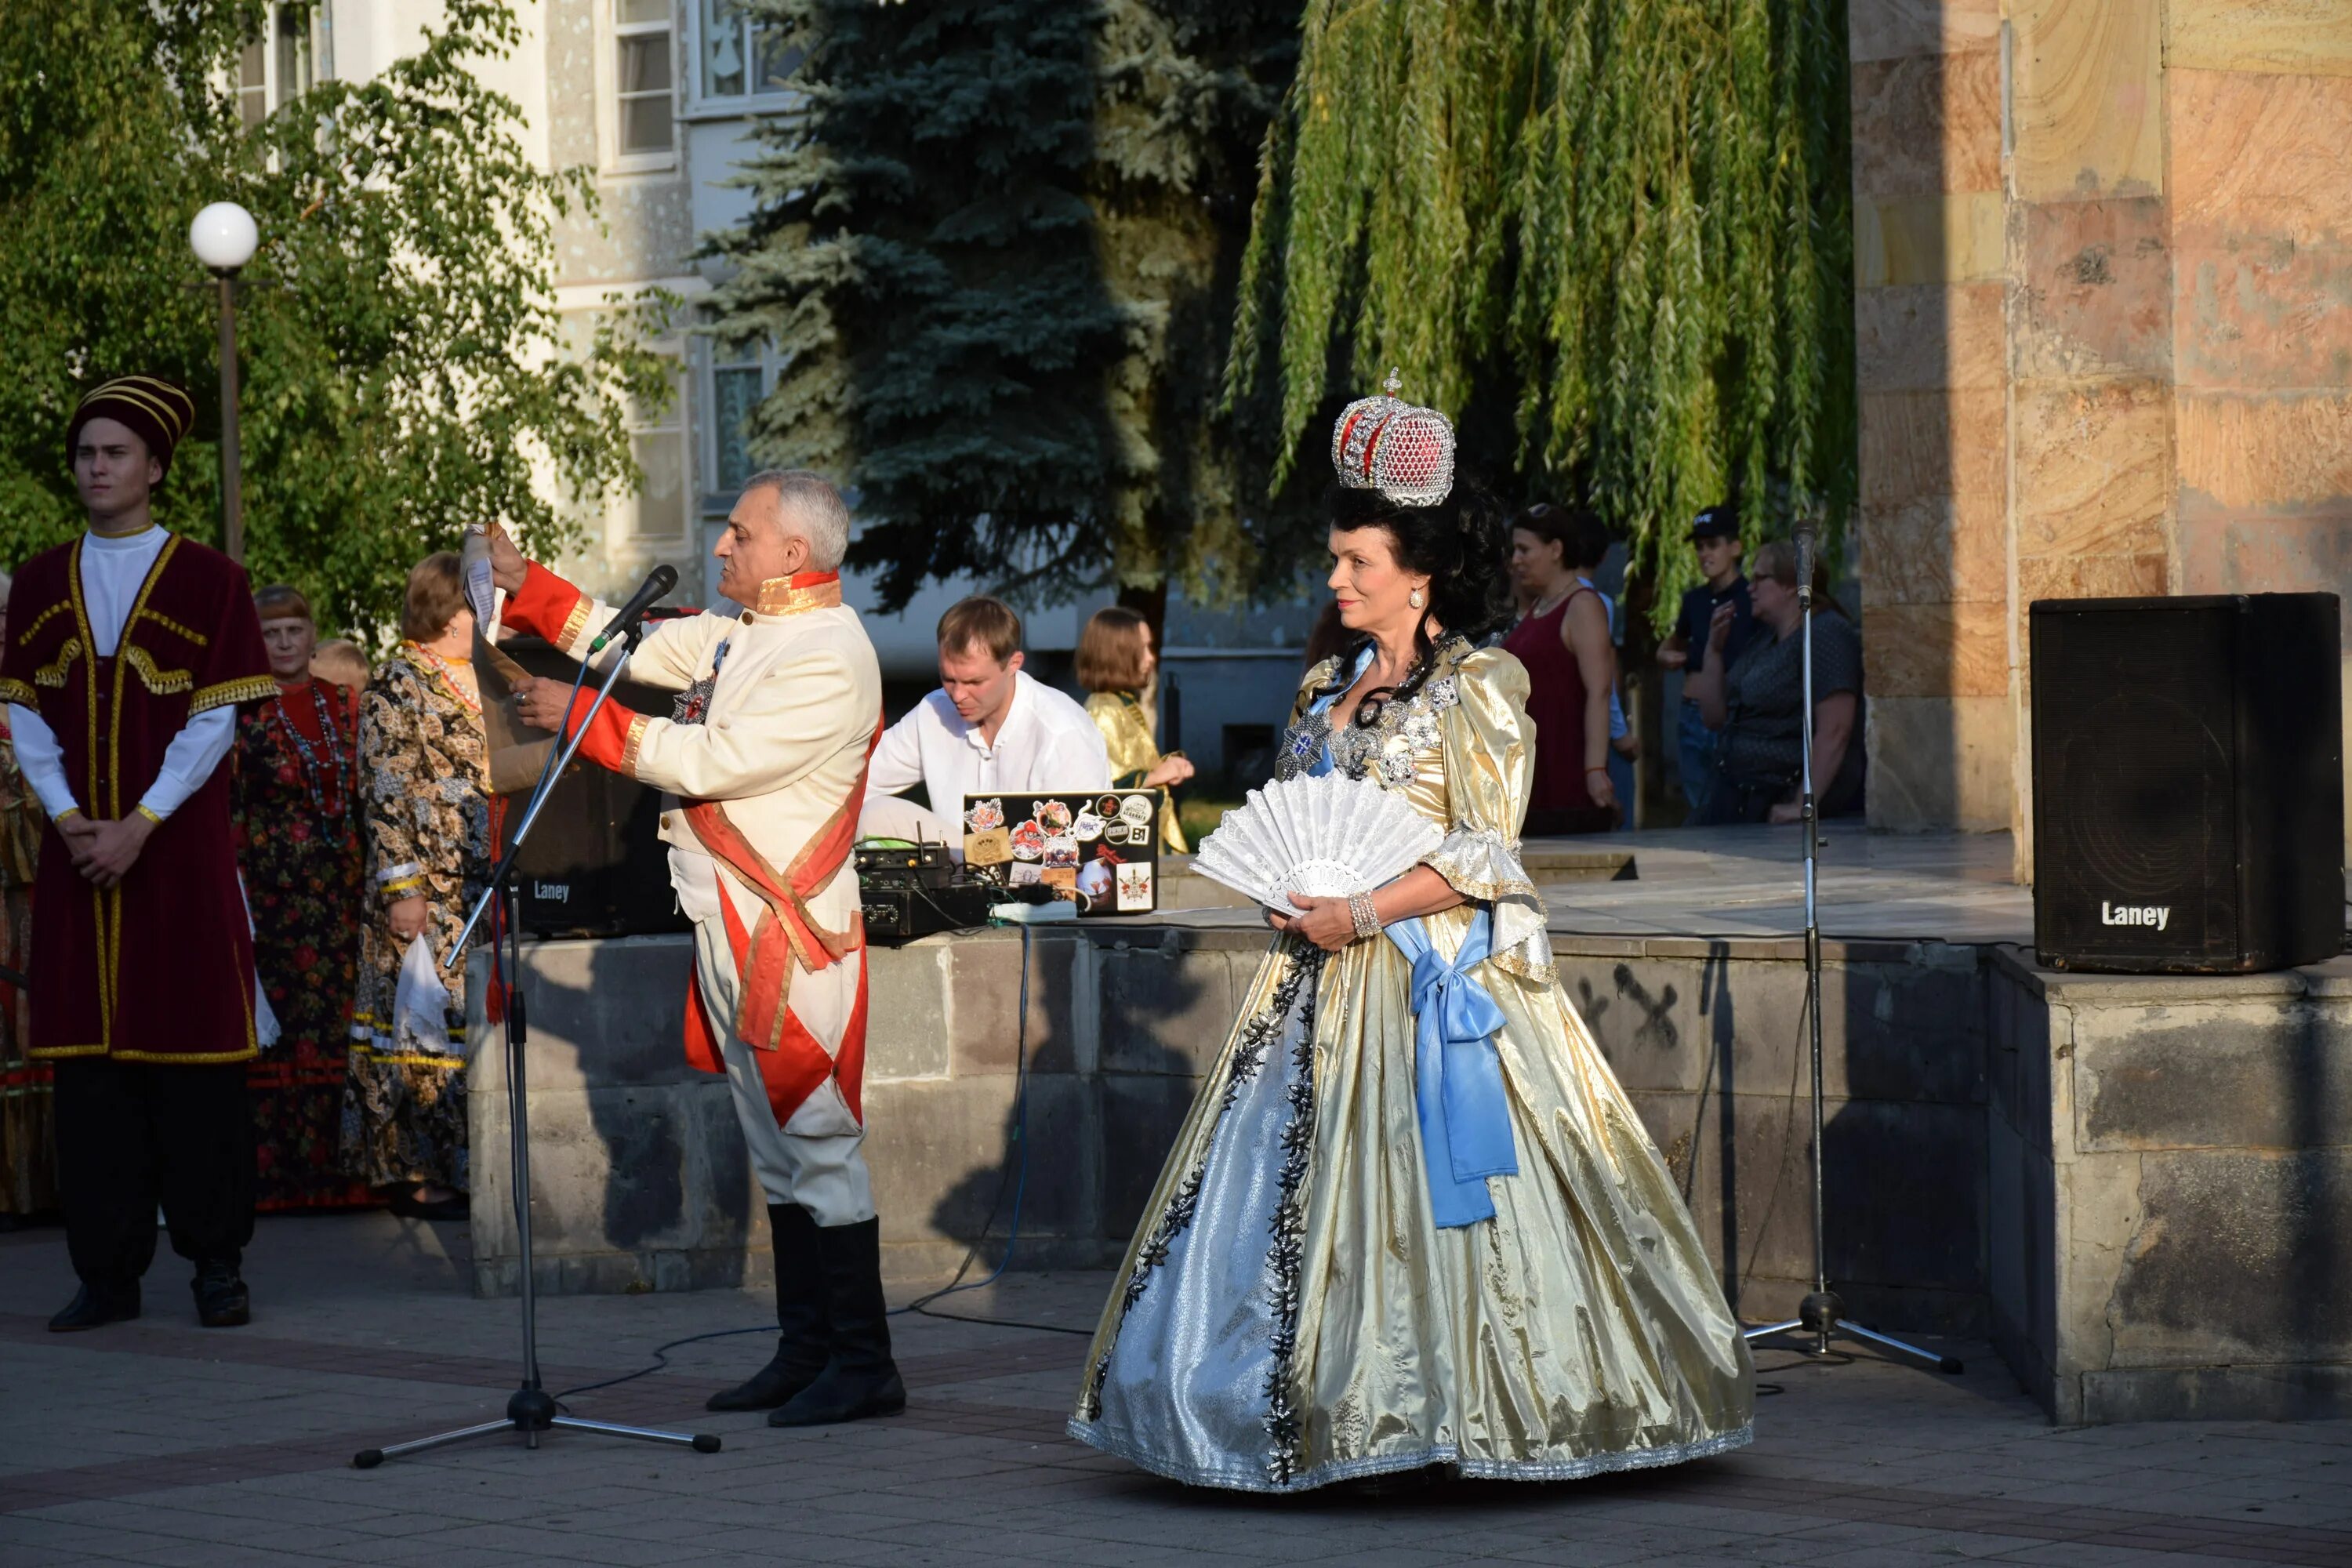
(1417, 599)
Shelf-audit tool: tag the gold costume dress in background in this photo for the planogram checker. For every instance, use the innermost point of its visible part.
(423, 767)
(1290, 1314)
(28, 1152)
(1126, 726)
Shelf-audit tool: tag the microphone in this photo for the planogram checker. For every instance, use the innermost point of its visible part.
(1805, 557)
(656, 587)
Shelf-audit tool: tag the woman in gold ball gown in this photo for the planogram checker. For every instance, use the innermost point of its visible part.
(1411, 1219)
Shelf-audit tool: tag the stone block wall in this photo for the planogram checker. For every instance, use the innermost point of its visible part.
(640, 1180)
(2104, 313)
(2171, 1178)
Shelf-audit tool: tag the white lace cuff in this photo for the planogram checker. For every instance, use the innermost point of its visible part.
(1480, 863)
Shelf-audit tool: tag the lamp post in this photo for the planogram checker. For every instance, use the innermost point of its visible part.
(224, 237)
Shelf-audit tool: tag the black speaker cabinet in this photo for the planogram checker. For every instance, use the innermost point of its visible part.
(592, 866)
(2187, 783)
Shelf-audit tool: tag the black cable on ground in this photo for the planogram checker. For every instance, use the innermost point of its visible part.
(1016, 1174)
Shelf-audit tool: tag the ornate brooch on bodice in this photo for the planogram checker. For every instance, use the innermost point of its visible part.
(1382, 750)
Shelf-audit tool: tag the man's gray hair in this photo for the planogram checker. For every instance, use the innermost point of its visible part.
(808, 505)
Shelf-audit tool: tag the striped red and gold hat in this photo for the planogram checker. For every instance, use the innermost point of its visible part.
(157, 412)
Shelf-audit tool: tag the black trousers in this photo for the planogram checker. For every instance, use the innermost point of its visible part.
(134, 1134)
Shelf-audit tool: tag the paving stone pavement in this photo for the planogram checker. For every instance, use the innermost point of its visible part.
(158, 1442)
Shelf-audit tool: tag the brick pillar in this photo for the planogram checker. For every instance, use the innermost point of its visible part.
(1932, 362)
(2104, 335)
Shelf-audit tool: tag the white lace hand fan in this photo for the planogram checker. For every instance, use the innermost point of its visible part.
(1325, 836)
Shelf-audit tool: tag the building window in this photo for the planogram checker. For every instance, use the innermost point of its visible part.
(658, 442)
(275, 69)
(740, 57)
(737, 382)
(642, 80)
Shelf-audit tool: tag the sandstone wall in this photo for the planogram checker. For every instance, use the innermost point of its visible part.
(2104, 339)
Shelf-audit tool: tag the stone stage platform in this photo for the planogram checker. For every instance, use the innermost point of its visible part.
(2139, 1189)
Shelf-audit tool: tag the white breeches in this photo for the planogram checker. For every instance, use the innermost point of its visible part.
(814, 1158)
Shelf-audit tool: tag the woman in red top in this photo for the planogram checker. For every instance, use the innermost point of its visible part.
(1571, 669)
(298, 848)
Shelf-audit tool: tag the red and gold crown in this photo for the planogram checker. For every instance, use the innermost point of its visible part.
(1388, 445)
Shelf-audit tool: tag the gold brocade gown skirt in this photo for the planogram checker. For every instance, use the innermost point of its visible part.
(1289, 1316)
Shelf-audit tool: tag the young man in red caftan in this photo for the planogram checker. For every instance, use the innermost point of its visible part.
(764, 767)
(128, 652)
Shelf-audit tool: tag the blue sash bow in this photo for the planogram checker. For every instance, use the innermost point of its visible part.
(1465, 1126)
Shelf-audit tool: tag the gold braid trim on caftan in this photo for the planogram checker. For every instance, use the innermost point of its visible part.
(1579, 1331)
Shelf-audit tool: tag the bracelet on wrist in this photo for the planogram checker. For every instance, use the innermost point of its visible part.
(1367, 920)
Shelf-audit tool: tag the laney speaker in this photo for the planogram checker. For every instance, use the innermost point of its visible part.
(2187, 783)
(592, 866)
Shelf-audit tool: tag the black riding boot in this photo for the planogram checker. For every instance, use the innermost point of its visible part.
(860, 1379)
(800, 1348)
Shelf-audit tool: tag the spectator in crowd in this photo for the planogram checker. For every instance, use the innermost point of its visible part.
(1715, 534)
(298, 846)
(1624, 749)
(1116, 665)
(426, 821)
(1756, 703)
(1571, 669)
(28, 1173)
(338, 659)
(989, 729)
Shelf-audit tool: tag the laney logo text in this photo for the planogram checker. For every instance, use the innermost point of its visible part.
(2156, 915)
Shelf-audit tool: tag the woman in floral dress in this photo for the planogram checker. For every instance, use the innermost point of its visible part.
(422, 783)
(292, 795)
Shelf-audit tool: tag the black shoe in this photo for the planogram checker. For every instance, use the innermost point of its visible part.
(222, 1299)
(800, 1348)
(95, 1306)
(860, 1379)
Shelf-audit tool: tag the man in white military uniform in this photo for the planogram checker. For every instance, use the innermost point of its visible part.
(763, 768)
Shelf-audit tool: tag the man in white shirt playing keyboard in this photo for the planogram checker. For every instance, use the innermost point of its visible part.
(990, 728)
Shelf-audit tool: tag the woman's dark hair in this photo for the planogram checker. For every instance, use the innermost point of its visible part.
(1456, 542)
(1583, 538)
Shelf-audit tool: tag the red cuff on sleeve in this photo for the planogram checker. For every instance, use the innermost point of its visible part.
(611, 740)
(545, 606)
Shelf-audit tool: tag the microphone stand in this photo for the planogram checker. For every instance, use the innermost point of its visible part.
(532, 1409)
(1822, 1314)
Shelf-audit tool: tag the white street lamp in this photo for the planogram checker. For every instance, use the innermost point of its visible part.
(224, 237)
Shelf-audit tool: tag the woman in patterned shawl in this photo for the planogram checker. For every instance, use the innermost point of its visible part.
(28, 1176)
(1411, 1220)
(422, 784)
(298, 845)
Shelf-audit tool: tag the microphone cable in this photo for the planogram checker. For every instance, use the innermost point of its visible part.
(1016, 1174)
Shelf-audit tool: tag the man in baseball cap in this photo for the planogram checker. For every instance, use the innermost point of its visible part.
(1715, 534)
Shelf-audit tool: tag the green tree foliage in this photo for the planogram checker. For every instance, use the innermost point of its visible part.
(997, 242)
(1612, 236)
(403, 362)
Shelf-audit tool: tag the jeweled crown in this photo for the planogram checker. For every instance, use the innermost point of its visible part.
(1398, 449)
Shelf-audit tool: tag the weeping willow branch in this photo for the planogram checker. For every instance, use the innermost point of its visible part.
(1610, 235)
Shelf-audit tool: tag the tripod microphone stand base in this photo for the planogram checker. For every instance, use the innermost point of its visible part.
(1822, 1315)
(530, 1412)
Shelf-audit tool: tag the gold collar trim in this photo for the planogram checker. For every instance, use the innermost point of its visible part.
(792, 595)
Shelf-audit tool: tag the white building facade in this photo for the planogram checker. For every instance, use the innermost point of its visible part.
(659, 99)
